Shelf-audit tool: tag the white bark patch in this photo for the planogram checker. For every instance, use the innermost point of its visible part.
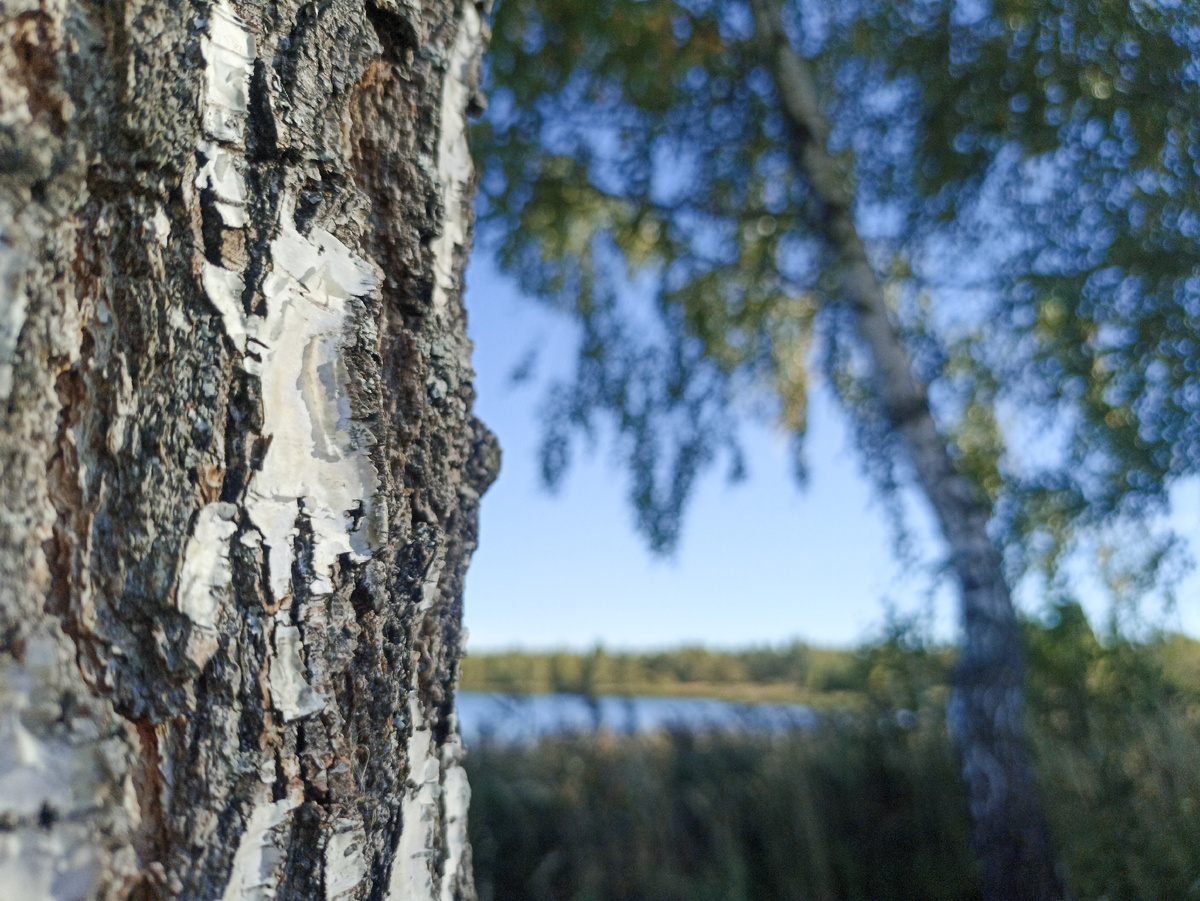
(317, 458)
(435, 803)
(205, 577)
(345, 866)
(430, 590)
(456, 799)
(228, 52)
(13, 303)
(20, 232)
(260, 854)
(125, 406)
(220, 175)
(224, 289)
(37, 774)
(454, 166)
(290, 691)
(47, 866)
(317, 462)
(414, 875)
(159, 227)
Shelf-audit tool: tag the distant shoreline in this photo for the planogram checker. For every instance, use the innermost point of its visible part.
(887, 672)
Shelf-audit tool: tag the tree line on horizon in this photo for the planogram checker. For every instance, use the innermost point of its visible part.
(826, 677)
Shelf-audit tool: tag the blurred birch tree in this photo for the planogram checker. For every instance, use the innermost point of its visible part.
(979, 221)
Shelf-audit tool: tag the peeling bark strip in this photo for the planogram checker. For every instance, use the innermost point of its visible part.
(985, 711)
(239, 473)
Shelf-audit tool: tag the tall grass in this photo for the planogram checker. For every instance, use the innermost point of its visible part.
(840, 814)
(1115, 731)
(869, 806)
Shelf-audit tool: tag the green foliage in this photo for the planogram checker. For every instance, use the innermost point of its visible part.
(1072, 128)
(869, 805)
(901, 669)
(1027, 175)
(632, 146)
(904, 670)
(795, 672)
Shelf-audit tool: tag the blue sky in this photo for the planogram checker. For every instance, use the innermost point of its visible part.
(759, 562)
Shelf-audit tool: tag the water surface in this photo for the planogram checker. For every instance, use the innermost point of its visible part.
(509, 718)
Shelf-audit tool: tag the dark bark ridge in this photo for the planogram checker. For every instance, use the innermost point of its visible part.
(239, 472)
(985, 710)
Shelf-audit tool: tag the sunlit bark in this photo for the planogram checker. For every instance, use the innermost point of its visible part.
(239, 473)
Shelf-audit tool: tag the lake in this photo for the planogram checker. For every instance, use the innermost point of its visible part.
(513, 718)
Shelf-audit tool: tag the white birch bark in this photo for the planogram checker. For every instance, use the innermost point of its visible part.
(985, 712)
(239, 473)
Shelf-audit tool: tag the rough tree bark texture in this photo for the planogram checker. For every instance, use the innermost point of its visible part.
(239, 473)
(985, 712)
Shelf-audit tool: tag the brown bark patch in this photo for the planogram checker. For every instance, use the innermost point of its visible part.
(34, 46)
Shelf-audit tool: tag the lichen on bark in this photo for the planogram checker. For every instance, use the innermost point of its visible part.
(239, 473)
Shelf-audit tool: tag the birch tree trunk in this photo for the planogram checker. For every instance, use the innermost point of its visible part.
(238, 466)
(985, 711)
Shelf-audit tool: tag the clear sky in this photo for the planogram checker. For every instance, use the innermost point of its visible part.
(759, 562)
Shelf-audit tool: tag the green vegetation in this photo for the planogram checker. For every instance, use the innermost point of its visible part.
(978, 221)
(796, 673)
(870, 805)
(1055, 144)
(844, 814)
(824, 678)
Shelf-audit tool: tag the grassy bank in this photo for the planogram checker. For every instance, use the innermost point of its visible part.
(870, 805)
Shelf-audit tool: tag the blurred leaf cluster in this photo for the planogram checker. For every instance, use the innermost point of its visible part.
(630, 139)
(1026, 175)
(1057, 142)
